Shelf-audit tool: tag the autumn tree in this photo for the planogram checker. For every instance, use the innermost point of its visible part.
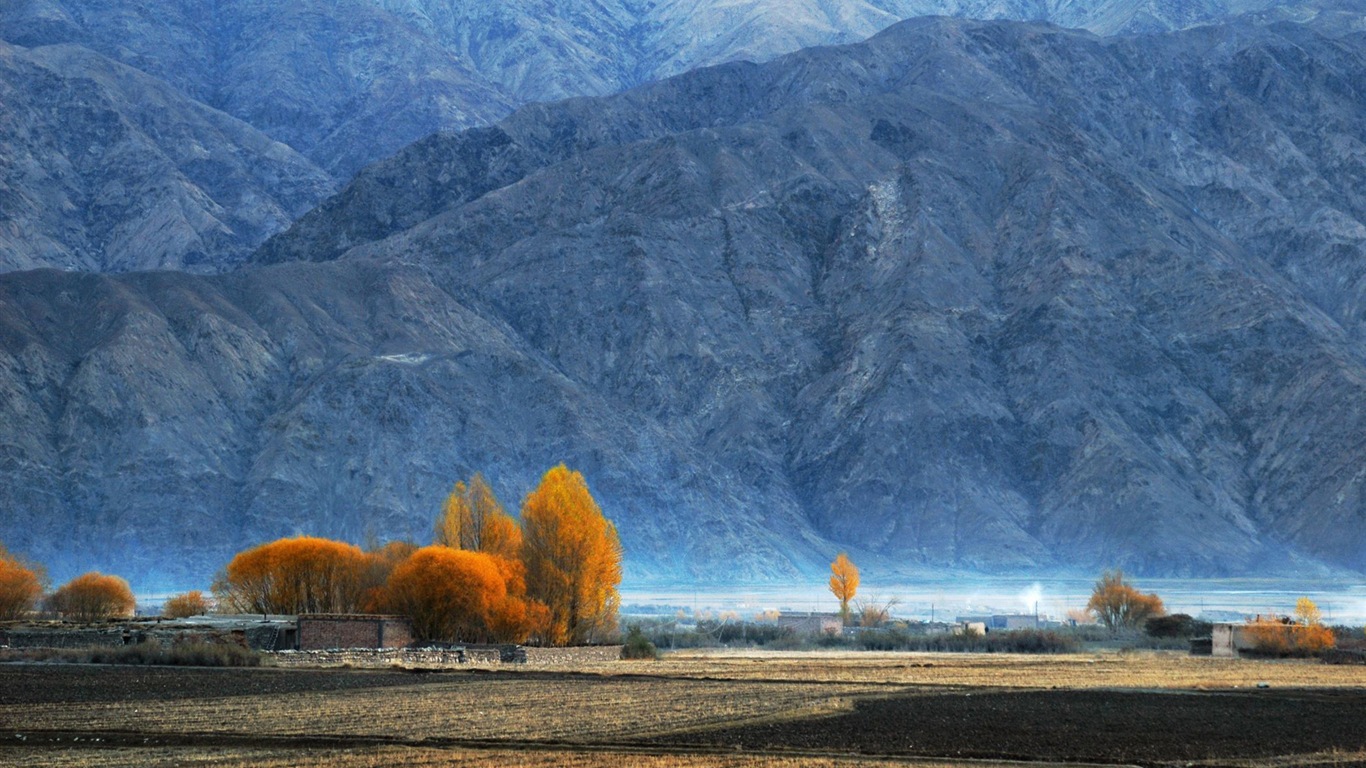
(381, 560)
(192, 603)
(93, 596)
(472, 519)
(298, 575)
(843, 583)
(1307, 612)
(21, 584)
(1118, 605)
(573, 558)
(459, 595)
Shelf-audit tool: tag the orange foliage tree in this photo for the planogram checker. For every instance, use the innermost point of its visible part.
(573, 559)
(298, 575)
(473, 519)
(1119, 606)
(843, 583)
(458, 595)
(192, 603)
(380, 562)
(21, 585)
(92, 597)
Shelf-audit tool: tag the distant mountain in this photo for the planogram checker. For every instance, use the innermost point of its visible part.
(979, 295)
(347, 82)
(102, 167)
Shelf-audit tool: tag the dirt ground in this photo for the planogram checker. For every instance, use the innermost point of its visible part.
(703, 710)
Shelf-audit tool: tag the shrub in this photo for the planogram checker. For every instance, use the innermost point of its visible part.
(1277, 636)
(93, 597)
(1012, 641)
(194, 654)
(637, 645)
(188, 604)
(1177, 625)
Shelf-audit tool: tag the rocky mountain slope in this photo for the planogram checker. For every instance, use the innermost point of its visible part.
(346, 83)
(349, 82)
(984, 295)
(103, 167)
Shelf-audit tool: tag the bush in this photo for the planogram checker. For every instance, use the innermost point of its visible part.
(1179, 625)
(189, 604)
(637, 645)
(1271, 636)
(179, 655)
(1012, 641)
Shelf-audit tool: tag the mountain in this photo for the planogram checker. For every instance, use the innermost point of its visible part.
(103, 167)
(972, 295)
(346, 82)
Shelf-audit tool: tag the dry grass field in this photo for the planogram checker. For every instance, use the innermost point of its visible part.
(697, 709)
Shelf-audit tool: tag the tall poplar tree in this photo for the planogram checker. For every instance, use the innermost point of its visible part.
(572, 557)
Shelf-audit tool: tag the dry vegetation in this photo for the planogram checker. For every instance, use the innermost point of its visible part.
(613, 714)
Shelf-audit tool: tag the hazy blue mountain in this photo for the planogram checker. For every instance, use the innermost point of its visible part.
(985, 295)
(103, 167)
(347, 82)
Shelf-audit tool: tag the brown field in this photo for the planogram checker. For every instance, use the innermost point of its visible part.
(703, 709)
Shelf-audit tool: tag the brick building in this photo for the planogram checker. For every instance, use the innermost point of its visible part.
(320, 632)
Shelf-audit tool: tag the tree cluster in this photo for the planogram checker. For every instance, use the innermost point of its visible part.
(89, 597)
(486, 578)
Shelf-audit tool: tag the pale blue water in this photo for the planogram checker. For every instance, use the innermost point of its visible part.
(1215, 599)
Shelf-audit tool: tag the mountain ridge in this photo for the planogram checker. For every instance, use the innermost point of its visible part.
(966, 295)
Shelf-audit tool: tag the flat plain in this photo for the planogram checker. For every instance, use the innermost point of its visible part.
(713, 709)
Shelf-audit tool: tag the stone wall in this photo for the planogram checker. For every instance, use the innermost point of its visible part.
(66, 638)
(266, 636)
(585, 654)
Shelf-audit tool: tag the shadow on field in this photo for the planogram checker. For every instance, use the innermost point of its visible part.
(1096, 725)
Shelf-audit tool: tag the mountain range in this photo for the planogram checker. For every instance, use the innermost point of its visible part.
(977, 295)
(344, 83)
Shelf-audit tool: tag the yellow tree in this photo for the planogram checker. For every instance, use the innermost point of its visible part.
(1307, 612)
(472, 519)
(1119, 606)
(20, 586)
(192, 603)
(92, 597)
(572, 557)
(299, 575)
(843, 582)
(454, 595)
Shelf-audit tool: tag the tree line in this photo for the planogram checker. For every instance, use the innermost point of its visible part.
(88, 597)
(550, 577)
